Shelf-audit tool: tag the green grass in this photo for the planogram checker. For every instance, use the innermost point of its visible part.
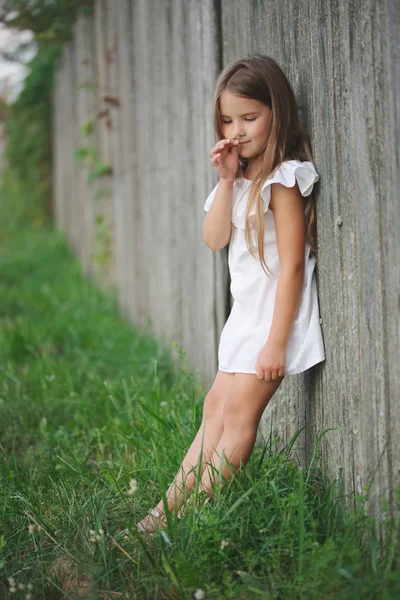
(89, 402)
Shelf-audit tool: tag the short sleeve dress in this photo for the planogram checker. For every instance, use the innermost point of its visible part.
(247, 328)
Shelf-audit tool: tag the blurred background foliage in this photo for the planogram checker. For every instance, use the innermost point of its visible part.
(29, 119)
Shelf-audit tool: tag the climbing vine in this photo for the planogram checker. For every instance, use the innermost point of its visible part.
(29, 123)
(96, 169)
(29, 127)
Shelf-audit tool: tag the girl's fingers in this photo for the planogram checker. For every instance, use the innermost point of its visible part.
(218, 148)
(221, 145)
(229, 143)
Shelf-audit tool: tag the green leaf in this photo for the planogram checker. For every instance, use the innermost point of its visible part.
(88, 85)
(87, 128)
(168, 569)
(81, 153)
(185, 570)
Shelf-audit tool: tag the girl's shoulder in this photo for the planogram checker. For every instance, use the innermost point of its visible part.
(288, 173)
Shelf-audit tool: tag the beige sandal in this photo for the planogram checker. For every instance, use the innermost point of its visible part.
(156, 517)
(154, 520)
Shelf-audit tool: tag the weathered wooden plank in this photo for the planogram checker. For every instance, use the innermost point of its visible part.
(143, 159)
(388, 95)
(213, 288)
(127, 147)
(103, 270)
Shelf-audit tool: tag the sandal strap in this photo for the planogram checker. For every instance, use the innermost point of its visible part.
(156, 512)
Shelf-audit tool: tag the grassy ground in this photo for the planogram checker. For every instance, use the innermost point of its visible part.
(88, 403)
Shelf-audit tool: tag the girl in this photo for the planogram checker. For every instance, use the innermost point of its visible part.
(265, 169)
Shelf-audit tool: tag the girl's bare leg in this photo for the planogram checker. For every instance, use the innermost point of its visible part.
(211, 427)
(241, 416)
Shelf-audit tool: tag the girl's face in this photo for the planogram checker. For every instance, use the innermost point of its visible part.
(246, 118)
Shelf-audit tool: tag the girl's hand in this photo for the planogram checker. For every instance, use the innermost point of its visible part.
(225, 158)
(271, 362)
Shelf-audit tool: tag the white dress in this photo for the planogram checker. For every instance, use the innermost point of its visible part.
(247, 328)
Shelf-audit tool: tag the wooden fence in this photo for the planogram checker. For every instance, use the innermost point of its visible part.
(133, 99)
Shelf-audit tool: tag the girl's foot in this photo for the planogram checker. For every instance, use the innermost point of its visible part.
(156, 517)
(154, 520)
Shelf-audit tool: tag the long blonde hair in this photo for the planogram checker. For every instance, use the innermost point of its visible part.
(259, 77)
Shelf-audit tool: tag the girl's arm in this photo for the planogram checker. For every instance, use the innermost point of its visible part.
(287, 205)
(217, 226)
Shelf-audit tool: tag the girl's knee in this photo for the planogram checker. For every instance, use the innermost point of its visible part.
(237, 416)
(212, 407)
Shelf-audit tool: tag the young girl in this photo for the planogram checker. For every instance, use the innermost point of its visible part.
(264, 208)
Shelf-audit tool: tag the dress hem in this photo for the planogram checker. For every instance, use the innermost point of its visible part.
(254, 372)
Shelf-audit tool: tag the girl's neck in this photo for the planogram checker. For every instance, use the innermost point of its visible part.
(251, 171)
(250, 174)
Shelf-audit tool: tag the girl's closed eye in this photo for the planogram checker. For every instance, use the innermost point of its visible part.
(227, 122)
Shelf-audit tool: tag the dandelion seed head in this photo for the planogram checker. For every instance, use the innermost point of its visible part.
(199, 594)
(133, 487)
(241, 573)
(224, 543)
(11, 581)
(101, 531)
(21, 586)
(164, 403)
(12, 590)
(92, 532)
